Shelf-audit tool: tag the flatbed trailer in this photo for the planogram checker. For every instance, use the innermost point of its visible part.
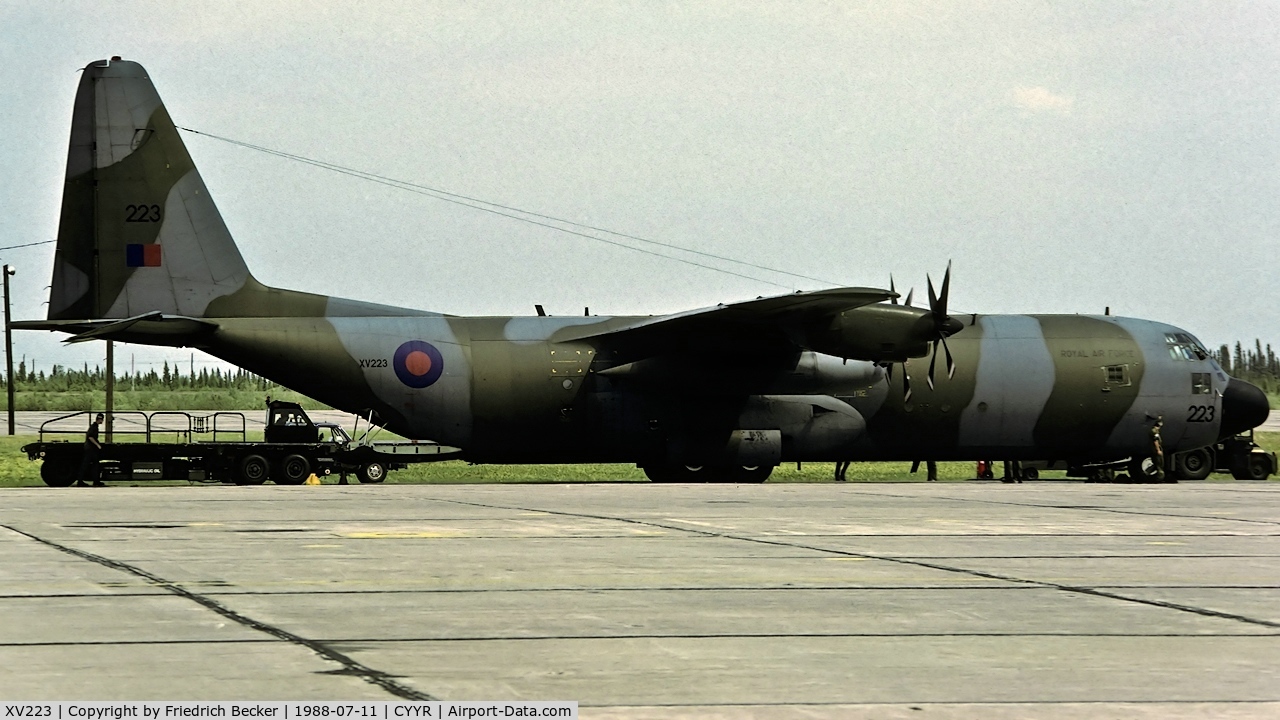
(170, 445)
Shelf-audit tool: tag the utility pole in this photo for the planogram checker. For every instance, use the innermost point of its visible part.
(8, 342)
(111, 385)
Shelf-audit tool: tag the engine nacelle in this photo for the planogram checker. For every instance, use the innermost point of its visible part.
(880, 333)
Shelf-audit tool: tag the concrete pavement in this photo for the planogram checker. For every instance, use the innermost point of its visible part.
(655, 601)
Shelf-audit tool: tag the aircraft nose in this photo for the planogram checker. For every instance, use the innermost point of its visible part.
(1244, 406)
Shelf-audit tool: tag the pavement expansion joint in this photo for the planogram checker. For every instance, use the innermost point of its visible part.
(1205, 612)
(354, 668)
(1095, 508)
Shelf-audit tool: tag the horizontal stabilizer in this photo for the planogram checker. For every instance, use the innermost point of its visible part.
(139, 328)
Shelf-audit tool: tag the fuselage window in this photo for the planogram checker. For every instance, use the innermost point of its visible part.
(1117, 375)
(1201, 383)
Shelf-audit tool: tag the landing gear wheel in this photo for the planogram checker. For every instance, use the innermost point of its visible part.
(58, 471)
(708, 473)
(659, 473)
(252, 470)
(294, 470)
(750, 474)
(374, 472)
(681, 473)
(699, 474)
(1194, 464)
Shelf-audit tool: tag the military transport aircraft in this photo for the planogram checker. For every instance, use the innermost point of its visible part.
(718, 394)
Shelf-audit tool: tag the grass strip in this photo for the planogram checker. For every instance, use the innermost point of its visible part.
(17, 471)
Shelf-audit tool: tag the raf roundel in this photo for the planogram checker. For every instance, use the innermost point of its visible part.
(418, 364)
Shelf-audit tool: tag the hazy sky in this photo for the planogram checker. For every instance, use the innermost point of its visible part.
(1065, 156)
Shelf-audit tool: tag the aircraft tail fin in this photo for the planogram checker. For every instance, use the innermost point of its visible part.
(139, 232)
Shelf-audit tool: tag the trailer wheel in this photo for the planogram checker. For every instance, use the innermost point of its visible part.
(58, 471)
(294, 470)
(253, 470)
(374, 472)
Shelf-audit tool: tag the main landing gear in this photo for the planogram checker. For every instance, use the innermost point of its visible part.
(708, 473)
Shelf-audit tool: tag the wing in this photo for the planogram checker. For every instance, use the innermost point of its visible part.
(774, 325)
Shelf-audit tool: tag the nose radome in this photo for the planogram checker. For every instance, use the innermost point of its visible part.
(1244, 407)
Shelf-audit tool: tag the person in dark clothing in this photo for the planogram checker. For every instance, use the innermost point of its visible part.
(930, 465)
(1157, 448)
(92, 449)
(842, 467)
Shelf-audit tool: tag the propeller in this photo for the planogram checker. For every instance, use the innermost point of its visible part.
(906, 378)
(894, 300)
(944, 325)
(906, 384)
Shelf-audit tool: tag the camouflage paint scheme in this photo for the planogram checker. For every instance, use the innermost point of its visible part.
(810, 376)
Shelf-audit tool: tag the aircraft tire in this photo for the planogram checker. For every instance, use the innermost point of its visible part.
(1194, 464)
(58, 471)
(685, 474)
(252, 470)
(660, 474)
(753, 474)
(294, 470)
(374, 472)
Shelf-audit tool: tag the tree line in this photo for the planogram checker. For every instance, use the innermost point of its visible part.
(1262, 368)
(68, 379)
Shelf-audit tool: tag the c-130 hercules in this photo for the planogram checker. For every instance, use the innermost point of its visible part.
(720, 394)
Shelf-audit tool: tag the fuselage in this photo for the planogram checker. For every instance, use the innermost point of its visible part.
(522, 389)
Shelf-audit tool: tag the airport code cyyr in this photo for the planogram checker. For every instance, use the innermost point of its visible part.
(467, 710)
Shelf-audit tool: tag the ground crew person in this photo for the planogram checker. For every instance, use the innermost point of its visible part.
(1157, 447)
(842, 467)
(92, 449)
(931, 468)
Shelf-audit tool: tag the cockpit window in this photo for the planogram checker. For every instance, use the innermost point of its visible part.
(1184, 347)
